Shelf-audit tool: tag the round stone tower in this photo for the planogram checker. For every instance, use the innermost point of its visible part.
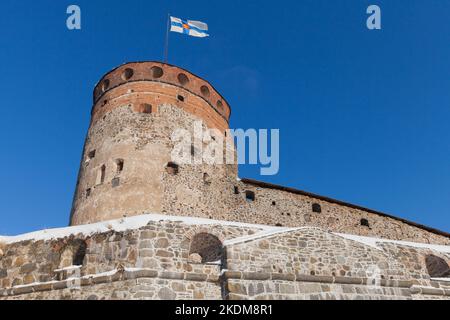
(126, 167)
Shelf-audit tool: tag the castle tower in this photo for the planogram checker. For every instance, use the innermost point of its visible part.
(126, 167)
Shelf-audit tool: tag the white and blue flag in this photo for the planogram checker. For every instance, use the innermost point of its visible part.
(189, 27)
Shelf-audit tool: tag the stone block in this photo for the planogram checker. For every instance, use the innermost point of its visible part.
(236, 288)
(166, 294)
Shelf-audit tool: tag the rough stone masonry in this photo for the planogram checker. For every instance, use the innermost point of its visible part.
(144, 227)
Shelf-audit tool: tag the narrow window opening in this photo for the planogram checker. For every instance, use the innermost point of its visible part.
(88, 193)
(103, 171)
(119, 165)
(206, 178)
(180, 98)
(274, 203)
(316, 208)
(236, 190)
(80, 253)
(249, 196)
(172, 168)
(101, 175)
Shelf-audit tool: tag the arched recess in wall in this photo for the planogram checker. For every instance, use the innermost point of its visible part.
(73, 254)
(207, 246)
(437, 267)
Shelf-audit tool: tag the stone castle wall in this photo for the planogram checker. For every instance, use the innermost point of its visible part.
(124, 169)
(185, 259)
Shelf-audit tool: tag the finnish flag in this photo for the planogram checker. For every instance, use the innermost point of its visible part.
(189, 27)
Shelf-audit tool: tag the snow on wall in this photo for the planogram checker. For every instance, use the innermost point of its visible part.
(374, 242)
(119, 225)
(136, 222)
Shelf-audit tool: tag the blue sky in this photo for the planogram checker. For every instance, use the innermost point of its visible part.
(363, 115)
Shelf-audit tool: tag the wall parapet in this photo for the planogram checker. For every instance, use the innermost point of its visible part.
(165, 74)
(108, 277)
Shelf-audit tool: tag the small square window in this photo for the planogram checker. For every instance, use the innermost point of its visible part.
(365, 222)
(172, 168)
(250, 196)
(145, 108)
(316, 208)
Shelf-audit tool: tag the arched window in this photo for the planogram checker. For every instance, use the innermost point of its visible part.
(183, 79)
(205, 91)
(207, 246)
(127, 74)
(156, 72)
(105, 85)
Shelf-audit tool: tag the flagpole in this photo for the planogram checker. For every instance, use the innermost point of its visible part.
(166, 47)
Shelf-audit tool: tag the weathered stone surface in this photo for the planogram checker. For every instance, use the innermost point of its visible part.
(237, 288)
(166, 294)
(27, 268)
(249, 269)
(164, 253)
(162, 243)
(195, 258)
